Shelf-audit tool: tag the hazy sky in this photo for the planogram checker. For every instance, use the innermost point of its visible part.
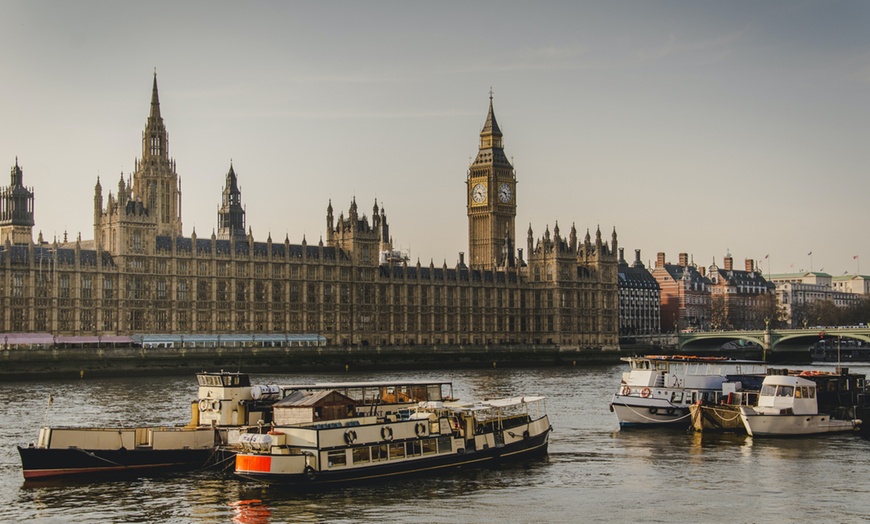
(698, 127)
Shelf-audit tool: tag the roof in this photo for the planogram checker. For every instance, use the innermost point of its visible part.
(310, 398)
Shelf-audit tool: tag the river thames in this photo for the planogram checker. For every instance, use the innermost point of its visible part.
(594, 472)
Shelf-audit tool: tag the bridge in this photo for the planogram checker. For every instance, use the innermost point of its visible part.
(772, 340)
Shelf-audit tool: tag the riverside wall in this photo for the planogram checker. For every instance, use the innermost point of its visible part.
(30, 364)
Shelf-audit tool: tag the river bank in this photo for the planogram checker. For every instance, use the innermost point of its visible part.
(27, 364)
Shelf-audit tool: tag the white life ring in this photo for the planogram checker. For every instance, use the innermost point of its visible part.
(203, 405)
(387, 433)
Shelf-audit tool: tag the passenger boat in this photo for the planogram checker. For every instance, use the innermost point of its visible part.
(788, 405)
(431, 437)
(659, 390)
(724, 416)
(227, 406)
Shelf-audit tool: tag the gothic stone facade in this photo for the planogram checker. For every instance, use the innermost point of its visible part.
(140, 275)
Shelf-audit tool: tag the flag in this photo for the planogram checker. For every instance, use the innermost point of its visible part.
(855, 257)
(810, 254)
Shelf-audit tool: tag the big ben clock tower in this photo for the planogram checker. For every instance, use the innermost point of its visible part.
(492, 204)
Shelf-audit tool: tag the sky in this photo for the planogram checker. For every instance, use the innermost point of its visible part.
(707, 128)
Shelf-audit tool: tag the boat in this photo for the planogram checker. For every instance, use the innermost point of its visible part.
(227, 407)
(789, 405)
(431, 437)
(658, 390)
(724, 415)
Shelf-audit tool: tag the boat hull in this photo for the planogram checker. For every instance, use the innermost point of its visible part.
(45, 463)
(649, 412)
(762, 425)
(311, 479)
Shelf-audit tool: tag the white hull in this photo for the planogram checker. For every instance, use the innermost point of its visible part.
(635, 411)
(789, 425)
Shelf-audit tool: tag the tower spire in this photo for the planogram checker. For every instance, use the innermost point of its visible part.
(155, 99)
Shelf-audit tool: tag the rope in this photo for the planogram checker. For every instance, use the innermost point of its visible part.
(641, 415)
(92, 455)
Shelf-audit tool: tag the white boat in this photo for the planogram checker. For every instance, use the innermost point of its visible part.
(788, 405)
(227, 407)
(658, 390)
(434, 436)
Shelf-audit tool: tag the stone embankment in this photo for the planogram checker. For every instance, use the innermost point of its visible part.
(27, 364)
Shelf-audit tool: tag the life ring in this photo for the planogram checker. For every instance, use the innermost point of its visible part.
(626, 391)
(653, 411)
(420, 429)
(350, 436)
(310, 473)
(526, 434)
(644, 392)
(216, 405)
(203, 405)
(387, 433)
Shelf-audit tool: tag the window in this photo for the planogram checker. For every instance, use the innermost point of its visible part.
(336, 458)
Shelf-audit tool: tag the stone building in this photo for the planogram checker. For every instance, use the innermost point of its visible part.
(639, 298)
(139, 274)
(685, 294)
(741, 299)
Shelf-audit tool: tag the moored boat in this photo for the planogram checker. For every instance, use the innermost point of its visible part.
(659, 390)
(433, 436)
(788, 405)
(227, 406)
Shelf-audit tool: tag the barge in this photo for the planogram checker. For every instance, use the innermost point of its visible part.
(432, 437)
(227, 407)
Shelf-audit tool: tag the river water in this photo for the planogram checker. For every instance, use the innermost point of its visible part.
(594, 472)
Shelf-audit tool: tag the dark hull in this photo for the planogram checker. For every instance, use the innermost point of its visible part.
(314, 480)
(41, 463)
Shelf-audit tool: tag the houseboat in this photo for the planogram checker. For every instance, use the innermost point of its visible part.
(227, 407)
(304, 453)
(659, 390)
(789, 405)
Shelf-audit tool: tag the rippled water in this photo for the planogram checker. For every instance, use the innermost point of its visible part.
(594, 472)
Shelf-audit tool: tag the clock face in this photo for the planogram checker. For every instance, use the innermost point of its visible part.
(504, 193)
(478, 193)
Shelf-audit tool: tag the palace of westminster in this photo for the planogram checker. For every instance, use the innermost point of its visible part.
(139, 274)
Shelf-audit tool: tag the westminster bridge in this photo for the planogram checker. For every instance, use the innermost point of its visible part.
(772, 341)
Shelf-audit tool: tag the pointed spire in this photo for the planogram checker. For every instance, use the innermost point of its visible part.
(490, 126)
(155, 99)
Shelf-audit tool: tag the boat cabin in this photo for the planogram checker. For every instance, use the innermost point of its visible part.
(312, 406)
(787, 395)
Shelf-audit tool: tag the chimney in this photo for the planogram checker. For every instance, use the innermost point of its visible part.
(461, 259)
(660, 259)
(684, 260)
(729, 263)
(750, 265)
(637, 262)
(621, 255)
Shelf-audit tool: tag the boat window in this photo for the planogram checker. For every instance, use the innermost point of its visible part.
(662, 366)
(360, 455)
(379, 453)
(397, 450)
(677, 396)
(785, 391)
(434, 392)
(799, 391)
(768, 390)
(415, 448)
(336, 458)
(429, 446)
(812, 392)
(445, 444)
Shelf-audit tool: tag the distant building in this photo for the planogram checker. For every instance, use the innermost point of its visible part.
(855, 284)
(639, 298)
(740, 299)
(139, 274)
(795, 291)
(685, 294)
